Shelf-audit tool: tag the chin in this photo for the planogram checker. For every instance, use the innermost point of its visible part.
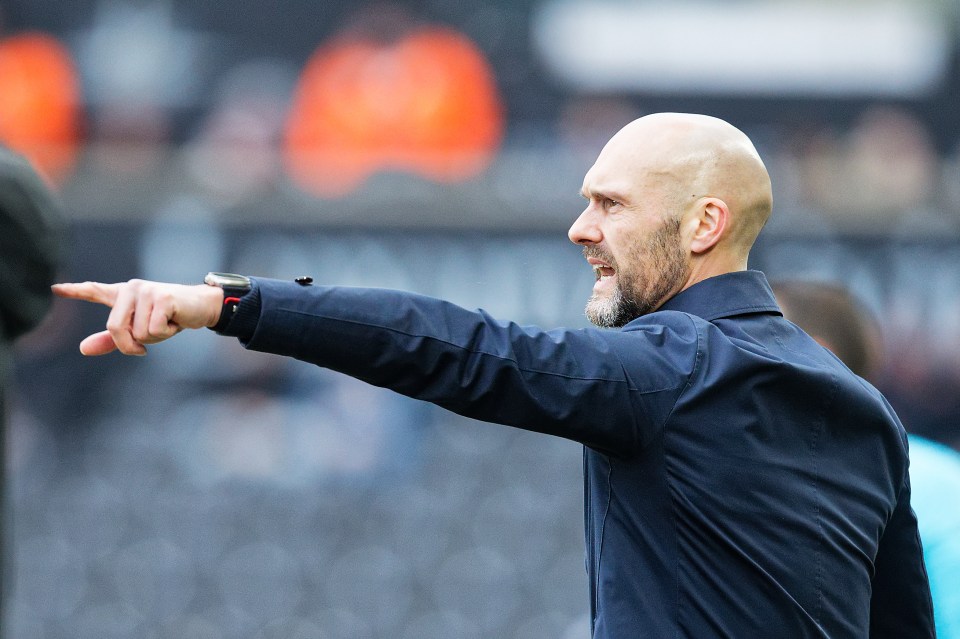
(604, 312)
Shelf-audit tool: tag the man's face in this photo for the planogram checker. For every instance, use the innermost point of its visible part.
(631, 235)
(636, 272)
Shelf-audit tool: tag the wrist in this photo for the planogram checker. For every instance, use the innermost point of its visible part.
(213, 301)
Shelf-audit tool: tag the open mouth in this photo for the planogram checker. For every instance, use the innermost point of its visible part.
(601, 269)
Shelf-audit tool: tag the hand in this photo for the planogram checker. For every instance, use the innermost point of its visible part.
(144, 312)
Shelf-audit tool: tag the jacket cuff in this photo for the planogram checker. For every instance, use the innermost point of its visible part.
(245, 320)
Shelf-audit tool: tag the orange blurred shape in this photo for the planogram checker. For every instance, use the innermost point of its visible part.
(426, 104)
(39, 98)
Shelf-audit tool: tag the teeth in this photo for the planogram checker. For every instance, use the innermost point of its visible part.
(599, 272)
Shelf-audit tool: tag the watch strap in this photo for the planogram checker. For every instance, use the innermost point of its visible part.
(231, 302)
(245, 318)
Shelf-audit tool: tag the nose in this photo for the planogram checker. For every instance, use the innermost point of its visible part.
(586, 229)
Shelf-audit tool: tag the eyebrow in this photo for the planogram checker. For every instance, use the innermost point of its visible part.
(601, 195)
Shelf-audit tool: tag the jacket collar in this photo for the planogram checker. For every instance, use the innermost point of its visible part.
(726, 295)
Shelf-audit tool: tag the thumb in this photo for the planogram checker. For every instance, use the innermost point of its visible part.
(98, 344)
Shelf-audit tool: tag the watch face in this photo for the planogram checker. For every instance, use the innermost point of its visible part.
(227, 280)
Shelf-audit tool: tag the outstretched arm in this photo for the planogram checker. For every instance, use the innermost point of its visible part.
(144, 312)
(565, 382)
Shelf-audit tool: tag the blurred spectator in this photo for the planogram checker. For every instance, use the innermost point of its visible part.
(39, 112)
(892, 162)
(235, 154)
(587, 122)
(129, 140)
(141, 67)
(30, 236)
(832, 316)
(389, 94)
(935, 473)
(951, 183)
(882, 169)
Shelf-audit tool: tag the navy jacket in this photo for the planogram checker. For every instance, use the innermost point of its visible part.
(739, 480)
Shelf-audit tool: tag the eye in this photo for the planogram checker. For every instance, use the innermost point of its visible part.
(609, 204)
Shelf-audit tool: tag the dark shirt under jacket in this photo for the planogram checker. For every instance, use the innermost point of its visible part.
(739, 480)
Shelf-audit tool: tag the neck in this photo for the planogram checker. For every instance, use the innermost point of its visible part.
(709, 265)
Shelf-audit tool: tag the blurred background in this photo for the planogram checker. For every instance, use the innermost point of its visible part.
(434, 146)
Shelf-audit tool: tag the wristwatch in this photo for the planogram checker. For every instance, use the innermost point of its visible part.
(234, 287)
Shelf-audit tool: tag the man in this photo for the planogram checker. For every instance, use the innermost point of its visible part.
(739, 481)
(31, 225)
(838, 321)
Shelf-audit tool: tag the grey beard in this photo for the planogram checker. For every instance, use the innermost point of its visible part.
(665, 260)
(617, 310)
(602, 312)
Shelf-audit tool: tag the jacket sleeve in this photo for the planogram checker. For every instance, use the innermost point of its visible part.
(569, 383)
(901, 605)
(31, 228)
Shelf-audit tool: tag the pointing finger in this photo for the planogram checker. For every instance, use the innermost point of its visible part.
(90, 291)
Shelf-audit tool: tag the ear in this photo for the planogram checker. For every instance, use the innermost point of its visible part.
(710, 219)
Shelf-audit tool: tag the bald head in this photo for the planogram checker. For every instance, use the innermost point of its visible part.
(685, 157)
(673, 199)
